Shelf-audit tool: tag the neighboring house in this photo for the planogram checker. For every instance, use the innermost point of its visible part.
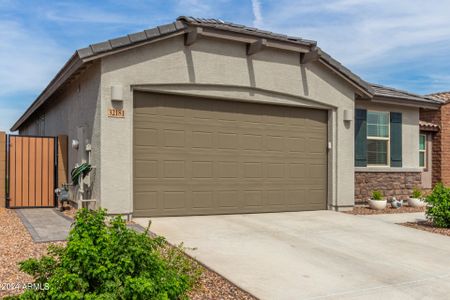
(389, 152)
(206, 117)
(436, 127)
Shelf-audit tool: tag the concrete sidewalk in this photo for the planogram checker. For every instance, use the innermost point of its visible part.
(45, 224)
(316, 255)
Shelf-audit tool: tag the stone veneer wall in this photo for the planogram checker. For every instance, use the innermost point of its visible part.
(391, 184)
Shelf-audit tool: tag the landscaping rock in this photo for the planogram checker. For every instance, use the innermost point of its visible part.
(365, 210)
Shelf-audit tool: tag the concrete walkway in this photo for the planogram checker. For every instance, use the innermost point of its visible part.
(398, 218)
(45, 224)
(316, 255)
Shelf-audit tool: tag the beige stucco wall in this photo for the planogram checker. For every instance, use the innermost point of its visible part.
(410, 133)
(217, 68)
(77, 106)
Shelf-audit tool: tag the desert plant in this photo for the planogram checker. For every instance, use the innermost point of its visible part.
(377, 195)
(110, 261)
(438, 208)
(416, 193)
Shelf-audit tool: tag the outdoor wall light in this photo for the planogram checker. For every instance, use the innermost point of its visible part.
(116, 93)
(75, 144)
(348, 115)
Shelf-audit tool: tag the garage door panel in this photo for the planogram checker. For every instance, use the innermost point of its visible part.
(146, 200)
(146, 169)
(174, 169)
(202, 200)
(199, 156)
(228, 199)
(146, 137)
(202, 139)
(174, 200)
(252, 198)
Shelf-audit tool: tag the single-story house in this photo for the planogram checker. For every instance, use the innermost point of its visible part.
(202, 116)
(435, 128)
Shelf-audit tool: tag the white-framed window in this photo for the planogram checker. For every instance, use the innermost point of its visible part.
(422, 150)
(378, 135)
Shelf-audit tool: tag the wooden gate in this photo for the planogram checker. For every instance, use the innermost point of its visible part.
(32, 166)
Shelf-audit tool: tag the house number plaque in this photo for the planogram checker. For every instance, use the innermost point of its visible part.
(116, 113)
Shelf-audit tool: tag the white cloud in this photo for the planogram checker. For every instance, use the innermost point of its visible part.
(256, 8)
(366, 33)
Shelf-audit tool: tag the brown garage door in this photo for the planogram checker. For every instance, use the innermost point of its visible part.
(194, 156)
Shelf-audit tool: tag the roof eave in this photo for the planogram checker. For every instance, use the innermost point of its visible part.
(181, 26)
(405, 102)
(364, 88)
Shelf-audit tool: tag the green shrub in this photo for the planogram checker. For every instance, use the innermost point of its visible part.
(377, 195)
(111, 261)
(438, 208)
(416, 193)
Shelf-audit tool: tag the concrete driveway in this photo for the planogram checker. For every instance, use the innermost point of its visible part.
(316, 255)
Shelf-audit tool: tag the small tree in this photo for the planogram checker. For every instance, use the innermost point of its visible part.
(438, 208)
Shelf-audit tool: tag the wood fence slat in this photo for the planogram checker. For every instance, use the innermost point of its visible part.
(12, 171)
(19, 177)
(51, 166)
(62, 160)
(2, 169)
(25, 170)
(45, 172)
(32, 177)
(39, 172)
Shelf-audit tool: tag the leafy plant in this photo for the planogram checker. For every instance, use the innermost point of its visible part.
(377, 195)
(438, 208)
(111, 261)
(416, 193)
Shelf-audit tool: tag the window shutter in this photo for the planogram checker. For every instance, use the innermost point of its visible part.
(396, 139)
(360, 138)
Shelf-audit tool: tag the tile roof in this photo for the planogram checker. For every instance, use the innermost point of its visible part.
(388, 92)
(180, 24)
(84, 55)
(427, 126)
(443, 96)
(219, 24)
(130, 39)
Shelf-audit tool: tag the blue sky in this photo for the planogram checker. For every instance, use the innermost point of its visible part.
(401, 43)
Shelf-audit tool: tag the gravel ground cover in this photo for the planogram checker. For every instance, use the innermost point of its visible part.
(427, 226)
(213, 286)
(16, 245)
(365, 210)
